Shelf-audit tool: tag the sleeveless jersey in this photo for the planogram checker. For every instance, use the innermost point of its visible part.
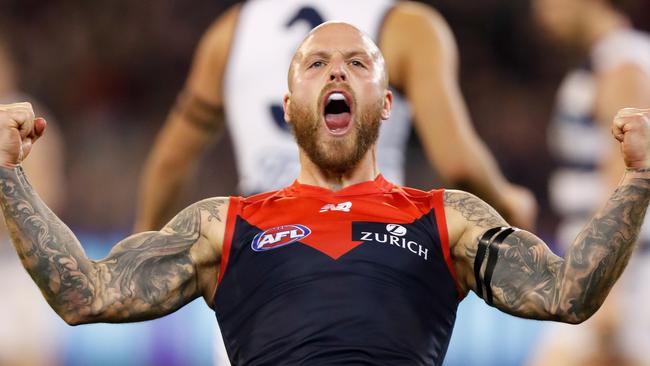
(267, 35)
(358, 276)
(576, 139)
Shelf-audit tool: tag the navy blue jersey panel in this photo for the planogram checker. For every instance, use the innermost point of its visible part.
(388, 301)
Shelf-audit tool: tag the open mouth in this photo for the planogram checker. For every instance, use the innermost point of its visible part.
(337, 113)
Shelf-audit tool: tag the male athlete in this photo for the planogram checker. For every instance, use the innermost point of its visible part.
(342, 266)
(616, 73)
(238, 76)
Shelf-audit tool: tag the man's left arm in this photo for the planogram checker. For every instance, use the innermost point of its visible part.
(516, 272)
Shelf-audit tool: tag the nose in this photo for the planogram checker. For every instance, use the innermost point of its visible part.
(338, 72)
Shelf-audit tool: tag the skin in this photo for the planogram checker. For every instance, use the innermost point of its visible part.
(45, 168)
(421, 57)
(154, 273)
(581, 24)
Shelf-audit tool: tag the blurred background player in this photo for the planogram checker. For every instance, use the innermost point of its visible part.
(616, 73)
(28, 335)
(238, 75)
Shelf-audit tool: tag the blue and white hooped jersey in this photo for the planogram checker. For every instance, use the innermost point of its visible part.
(577, 141)
(267, 34)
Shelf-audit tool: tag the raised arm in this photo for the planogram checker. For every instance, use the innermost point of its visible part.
(421, 55)
(515, 271)
(617, 87)
(145, 276)
(192, 125)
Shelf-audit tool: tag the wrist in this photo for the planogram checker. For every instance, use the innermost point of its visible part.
(9, 166)
(11, 173)
(637, 173)
(637, 170)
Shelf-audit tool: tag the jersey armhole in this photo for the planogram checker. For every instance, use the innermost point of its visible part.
(441, 221)
(233, 210)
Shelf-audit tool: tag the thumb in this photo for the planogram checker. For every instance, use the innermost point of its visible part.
(28, 142)
(40, 124)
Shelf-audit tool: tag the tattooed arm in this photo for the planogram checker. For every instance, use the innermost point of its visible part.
(527, 279)
(517, 272)
(145, 276)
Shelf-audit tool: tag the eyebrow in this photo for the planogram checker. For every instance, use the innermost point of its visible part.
(327, 55)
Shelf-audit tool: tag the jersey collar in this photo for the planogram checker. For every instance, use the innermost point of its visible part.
(378, 185)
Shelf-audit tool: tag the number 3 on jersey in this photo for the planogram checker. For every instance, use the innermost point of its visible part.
(311, 16)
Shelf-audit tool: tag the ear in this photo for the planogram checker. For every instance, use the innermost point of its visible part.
(286, 104)
(388, 103)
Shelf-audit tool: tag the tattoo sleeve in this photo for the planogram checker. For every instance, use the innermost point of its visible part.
(528, 280)
(144, 276)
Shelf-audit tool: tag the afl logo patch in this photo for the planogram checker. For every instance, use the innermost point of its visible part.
(395, 229)
(279, 236)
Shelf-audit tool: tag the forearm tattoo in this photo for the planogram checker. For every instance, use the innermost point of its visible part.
(529, 280)
(144, 276)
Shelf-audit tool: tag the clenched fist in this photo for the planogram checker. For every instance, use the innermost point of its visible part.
(631, 127)
(19, 129)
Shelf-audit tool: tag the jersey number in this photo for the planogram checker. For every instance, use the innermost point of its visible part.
(313, 18)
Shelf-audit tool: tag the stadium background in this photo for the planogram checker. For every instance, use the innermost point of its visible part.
(108, 71)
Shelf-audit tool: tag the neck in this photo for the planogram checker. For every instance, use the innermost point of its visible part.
(364, 171)
(603, 20)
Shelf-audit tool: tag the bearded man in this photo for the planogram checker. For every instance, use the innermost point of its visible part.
(342, 266)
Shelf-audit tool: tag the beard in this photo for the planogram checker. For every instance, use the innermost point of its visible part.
(336, 155)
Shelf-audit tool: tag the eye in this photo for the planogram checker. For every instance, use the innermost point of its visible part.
(316, 64)
(357, 63)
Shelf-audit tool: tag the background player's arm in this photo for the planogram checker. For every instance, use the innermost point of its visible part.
(421, 55)
(194, 122)
(525, 277)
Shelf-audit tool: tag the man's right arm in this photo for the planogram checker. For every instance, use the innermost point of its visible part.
(145, 276)
(194, 122)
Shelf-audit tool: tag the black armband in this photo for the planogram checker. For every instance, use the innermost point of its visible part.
(488, 249)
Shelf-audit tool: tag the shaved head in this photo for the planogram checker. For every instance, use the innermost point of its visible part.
(336, 31)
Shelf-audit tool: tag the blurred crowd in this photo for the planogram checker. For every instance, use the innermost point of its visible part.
(108, 72)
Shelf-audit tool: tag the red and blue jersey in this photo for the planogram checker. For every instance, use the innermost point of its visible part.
(362, 275)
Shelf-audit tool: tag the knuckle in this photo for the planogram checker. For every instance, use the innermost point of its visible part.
(21, 115)
(26, 105)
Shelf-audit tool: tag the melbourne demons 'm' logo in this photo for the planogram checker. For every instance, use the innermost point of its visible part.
(279, 236)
